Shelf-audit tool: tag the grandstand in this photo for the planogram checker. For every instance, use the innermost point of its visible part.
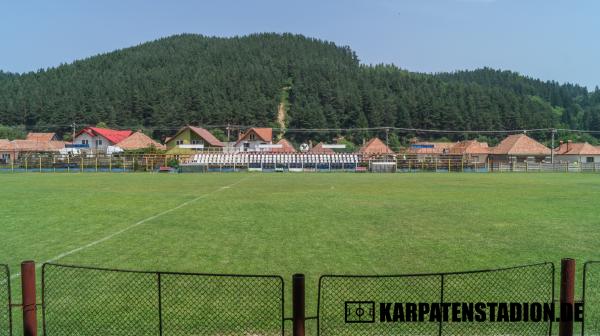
(272, 161)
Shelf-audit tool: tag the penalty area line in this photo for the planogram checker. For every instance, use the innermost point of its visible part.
(136, 224)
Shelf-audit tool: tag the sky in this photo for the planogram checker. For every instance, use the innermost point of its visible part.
(547, 39)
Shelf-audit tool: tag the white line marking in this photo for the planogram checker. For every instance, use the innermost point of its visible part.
(145, 220)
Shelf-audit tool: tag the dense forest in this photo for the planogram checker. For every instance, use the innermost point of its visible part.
(192, 79)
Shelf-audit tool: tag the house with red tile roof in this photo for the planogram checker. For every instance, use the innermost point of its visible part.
(286, 147)
(139, 141)
(375, 147)
(319, 149)
(519, 148)
(98, 139)
(576, 152)
(188, 136)
(12, 150)
(252, 140)
(471, 151)
(41, 137)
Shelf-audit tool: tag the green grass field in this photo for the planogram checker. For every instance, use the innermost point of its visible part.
(310, 223)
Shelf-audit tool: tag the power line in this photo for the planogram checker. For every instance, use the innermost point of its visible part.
(341, 130)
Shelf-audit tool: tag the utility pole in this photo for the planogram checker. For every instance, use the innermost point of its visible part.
(552, 146)
(387, 136)
(73, 125)
(228, 131)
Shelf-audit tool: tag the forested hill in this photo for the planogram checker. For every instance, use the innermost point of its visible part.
(193, 79)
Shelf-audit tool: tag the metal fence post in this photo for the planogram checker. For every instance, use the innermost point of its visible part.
(28, 298)
(567, 294)
(298, 304)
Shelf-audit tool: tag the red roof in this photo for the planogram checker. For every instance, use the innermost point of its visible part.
(319, 149)
(113, 136)
(41, 137)
(375, 146)
(470, 147)
(286, 147)
(571, 148)
(264, 134)
(520, 144)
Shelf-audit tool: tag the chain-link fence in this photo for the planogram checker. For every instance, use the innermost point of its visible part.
(348, 305)
(92, 301)
(5, 301)
(591, 298)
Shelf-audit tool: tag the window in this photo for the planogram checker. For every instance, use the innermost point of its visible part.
(252, 137)
(99, 142)
(196, 142)
(84, 142)
(179, 142)
(5, 156)
(589, 159)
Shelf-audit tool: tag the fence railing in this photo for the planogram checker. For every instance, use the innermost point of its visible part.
(94, 301)
(591, 298)
(342, 296)
(78, 300)
(5, 302)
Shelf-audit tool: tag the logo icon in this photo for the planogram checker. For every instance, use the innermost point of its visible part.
(359, 311)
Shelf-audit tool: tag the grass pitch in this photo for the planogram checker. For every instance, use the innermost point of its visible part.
(311, 223)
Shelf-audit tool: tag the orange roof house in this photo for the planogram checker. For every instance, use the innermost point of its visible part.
(253, 139)
(41, 137)
(192, 135)
(520, 145)
(286, 147)
(319, 149)
(139, 140)
(375, 146)
(577, 152)
(16, 148)
(469, 147)
(570, 148)
(257, 134)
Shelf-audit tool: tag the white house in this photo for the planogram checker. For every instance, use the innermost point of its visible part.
(252, 139)
(576, 152)
(99, 139)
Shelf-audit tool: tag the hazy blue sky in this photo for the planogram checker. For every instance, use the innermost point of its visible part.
(542, 38)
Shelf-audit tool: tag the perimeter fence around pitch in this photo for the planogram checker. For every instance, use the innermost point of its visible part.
(267, 162)
(79, 300)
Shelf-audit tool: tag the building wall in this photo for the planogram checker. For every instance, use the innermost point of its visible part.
(576, 158)
(495, 158)
(252, 146)
(92, 142)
